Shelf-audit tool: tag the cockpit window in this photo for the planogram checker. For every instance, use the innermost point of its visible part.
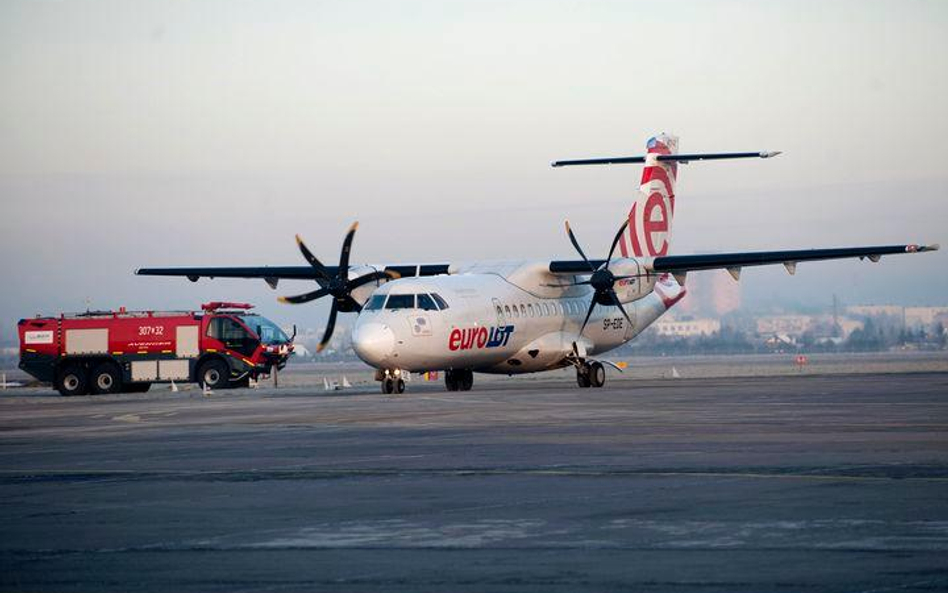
(442, 304)
(426, 303)
(400, 301)
(375, 303)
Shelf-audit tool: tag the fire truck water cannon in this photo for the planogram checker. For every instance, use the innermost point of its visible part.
(223, 345)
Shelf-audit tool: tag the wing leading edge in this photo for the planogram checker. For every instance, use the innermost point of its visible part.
(273, 274)
(733, 262)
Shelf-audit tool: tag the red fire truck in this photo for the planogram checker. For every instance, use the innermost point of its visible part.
(223, 345)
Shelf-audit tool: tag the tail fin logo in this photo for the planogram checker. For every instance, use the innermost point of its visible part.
(650, 218)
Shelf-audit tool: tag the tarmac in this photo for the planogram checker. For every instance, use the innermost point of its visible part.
(812, 482)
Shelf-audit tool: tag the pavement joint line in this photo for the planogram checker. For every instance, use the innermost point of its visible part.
(471, 472)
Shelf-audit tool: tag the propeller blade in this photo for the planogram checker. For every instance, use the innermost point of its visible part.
(304, 298)
(592, 305)
(616, 241)
(373, 277)
(330, 325)
(575, 243)
(618, 303)
(322, 276)
(346, 248)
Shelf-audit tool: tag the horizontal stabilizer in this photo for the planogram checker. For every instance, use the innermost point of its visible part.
(681, 158)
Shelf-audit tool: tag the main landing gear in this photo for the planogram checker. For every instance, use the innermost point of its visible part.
(459, 380)
(590, 374)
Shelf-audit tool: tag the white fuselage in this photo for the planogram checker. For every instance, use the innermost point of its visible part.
(492, 324)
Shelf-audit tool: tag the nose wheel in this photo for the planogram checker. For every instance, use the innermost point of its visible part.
(391, 385)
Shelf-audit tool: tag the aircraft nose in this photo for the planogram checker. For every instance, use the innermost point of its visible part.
(373, 342)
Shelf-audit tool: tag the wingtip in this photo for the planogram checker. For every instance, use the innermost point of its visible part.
(299, 240)
(320, 347)
(354, 226)
(770, 154)
(283, 300)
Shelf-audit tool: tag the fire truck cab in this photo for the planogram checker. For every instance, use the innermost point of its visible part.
(223, 345)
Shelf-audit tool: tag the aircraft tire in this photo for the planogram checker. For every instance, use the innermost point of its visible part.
(466, 381)
(451, 381)
(400, 386)
(388, 386)
(582, 377)
(597, 375)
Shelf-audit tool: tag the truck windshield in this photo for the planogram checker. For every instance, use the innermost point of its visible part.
(269, 332)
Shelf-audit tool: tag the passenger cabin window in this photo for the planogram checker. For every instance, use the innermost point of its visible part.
(442, 304)
(426, 303)
(523, 311)
(400, 301)
(507, 310)
(375, 303)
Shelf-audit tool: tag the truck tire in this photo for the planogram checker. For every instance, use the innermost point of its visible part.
(105, 378)
(213, 374)
(71, 380)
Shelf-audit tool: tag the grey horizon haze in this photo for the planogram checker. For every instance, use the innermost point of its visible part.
(155, 133)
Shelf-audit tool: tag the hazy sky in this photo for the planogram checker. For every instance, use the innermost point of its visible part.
(208, 133)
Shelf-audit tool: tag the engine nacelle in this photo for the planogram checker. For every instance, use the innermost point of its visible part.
(630, 289)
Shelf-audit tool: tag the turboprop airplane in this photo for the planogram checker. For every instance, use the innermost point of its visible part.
(529, 316)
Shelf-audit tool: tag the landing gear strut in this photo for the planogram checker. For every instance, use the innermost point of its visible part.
(590, 374)
(459, 380)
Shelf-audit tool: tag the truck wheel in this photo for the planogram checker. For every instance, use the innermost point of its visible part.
(106, 378)
(72, 380)
(213, 374)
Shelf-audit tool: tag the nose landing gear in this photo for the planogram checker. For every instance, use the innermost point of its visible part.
(391, 380)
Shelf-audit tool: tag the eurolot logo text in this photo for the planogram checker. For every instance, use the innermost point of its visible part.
(479, 337)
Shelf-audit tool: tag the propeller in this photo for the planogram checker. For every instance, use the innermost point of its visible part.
(602, 279)
(337, 285)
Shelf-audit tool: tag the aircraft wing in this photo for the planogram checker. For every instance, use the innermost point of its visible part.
(733, 262)
(273, 274)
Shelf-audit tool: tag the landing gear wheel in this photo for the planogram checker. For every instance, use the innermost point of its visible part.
(582, 376)
(466, 381)
(451, 381)
(72, 380)
(213, 374)
(106, 378)
(597, 374)
(400, 386)
(459, 380)
(388, 386)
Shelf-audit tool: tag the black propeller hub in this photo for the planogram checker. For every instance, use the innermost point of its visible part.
(602, 280)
